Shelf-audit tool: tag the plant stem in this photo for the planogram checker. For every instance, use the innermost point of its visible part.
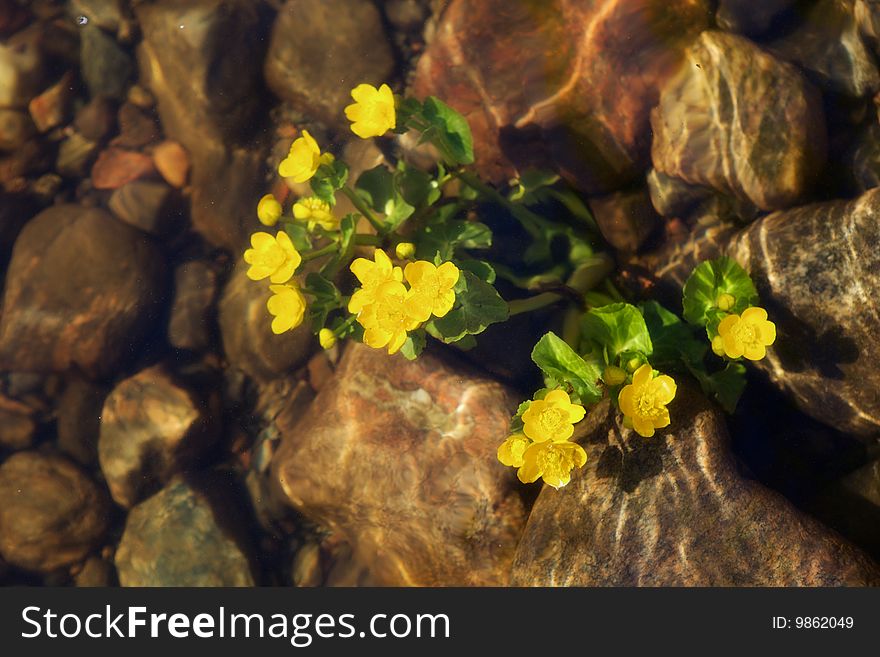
(529, 220)
(367, 240)
(358, 203)
(326, 250)
(519, 306)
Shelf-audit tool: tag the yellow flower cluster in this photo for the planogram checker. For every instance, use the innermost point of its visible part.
(644, 401)
(544, 449)
(387, 310)
(372, 114)
(276, 258)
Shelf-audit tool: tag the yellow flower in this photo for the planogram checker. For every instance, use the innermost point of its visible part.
(644, 401)
(303, 160)
(371, 274)
(551, 460)
(372, 114)
(552, 418)
(748, 335)
(272, 257)
(430, 288)
(315, 211)
(405, 250)
(288, 306)
(511, 450)
(385, 320)
(269, 210)
(326, 338)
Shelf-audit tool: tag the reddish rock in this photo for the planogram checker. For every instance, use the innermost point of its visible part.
(58, 313)
(116, 167)
(569, 83)
(50, 109)
(172, 163)
(674, 510)
(398, 457)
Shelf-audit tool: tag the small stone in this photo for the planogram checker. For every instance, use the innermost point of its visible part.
(79, 419)
(96, 120)
(116, 167)
(96, 573)
(172, 163)
(674, 510)
(152, 427)
(140, 97)
(46, 187)
(76, 155)
(136, 127)
(313, 83)
(626, 219)
(399, 458)
(22, 68)
(17, 426)
(52, 514)
(58, 313)
(52, 107)
(748, 17)
(192, 324)
(248, 341)
(185, 535)
(147, 205)
(15, 129)
(106, 68)
(707, 131)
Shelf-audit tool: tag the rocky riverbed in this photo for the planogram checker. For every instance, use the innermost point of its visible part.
(154, 431)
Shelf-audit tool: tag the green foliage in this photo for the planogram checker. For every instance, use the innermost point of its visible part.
(448, 131)
(379, 187)
(299, 235)
(618, 329)
(710, 280)
(414, 345)
(329, 179)
(477, 305)
(326, 299)
(562, 365)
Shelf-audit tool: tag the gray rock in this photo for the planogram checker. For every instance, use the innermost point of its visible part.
(674, 510)
(106, 68)
(52, 514)
(181, 537)
(313, 81)
(152, 427)
(147, 205)
(58, 313)
(193, 309)
(709, 131)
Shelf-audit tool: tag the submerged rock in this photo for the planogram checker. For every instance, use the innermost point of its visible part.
(749, 17)
(308, 78)
(708, 129)
(398, 457)
(674, 510)
(626, 219)
(58, 313)
(192, 324)
(567, 84)
(52, 514)
(148, 205)
(106, 67)
(186, 535)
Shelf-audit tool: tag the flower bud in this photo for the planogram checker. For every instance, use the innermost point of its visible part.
(633, 364)
(405, 250)
(725, 302)
(269, 210)
(718, 345)
(613, 376)
(327, 338)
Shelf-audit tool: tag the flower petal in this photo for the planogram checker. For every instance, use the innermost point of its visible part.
(643, 375)
(447, 275)
(576, 413)
(726, 324)
(754, 314)
(664, 388)
(396, 342)
(767, 333)
(643, 426)
(364, 93)
(557, 398)
(530, 471)
(415, 272)
(754, 351)
(625, 400)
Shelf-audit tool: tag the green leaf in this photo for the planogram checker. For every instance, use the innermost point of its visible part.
(477, 305)
(415, 343)
(441, 239)
(299, 235)
(416, 187)
(378, 188)
(449, 132)
(617, 328)
(406, 109)
(562, 364)
(708, 281)
(482, 269)
(674, 341)
(328, 179)
(326, 299)
(726, 386)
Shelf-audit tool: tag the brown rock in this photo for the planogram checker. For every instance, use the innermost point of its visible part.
(626, 219)
(150, 206)
(15, 129)
(75, 156)
(401, 463)
(96, 120)
(136, 127)
(52, 514)
(312, 82)
(193, 309)
(51, 108)
(749, 17)
(248, 341)
(58, 313)
(79, 419)
(707, 131)
(105, 67)
(116, 167)
(172, 163)
(12, 17)
(22, 67)
(152, 427)
(17, 425)
(581, 105)
(675, 511)
(96, 573)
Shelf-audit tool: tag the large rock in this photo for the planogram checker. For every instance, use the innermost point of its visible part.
(203, 62)
(245, 329)
(398, 457)
(22, 68)
(708, 129)
(674, 510)
(186, 535)
(749, 17)
(52, 514)
(581, 105)
(308, 78)
(817, 270)
(78, 419)
(82, 290)
(152, 427)
(192, 323)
